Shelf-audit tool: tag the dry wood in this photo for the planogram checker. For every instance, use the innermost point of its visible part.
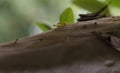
(68, 49)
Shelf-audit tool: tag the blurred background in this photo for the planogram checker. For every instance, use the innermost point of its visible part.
(18, 17)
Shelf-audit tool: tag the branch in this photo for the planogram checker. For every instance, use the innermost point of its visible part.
(71, 48)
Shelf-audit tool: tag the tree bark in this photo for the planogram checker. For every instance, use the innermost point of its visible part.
(68, 49)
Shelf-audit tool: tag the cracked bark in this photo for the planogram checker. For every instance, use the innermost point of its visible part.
(68, 49)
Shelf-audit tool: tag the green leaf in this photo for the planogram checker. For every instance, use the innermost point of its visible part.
(67, 16)
(114, 3)
(43, 26)
(91, 5)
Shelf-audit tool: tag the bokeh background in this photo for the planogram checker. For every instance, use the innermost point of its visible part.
(18, 17)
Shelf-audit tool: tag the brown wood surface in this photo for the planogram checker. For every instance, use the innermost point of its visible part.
(67, 49)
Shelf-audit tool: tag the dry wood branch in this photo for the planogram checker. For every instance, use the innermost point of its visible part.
(72, 49)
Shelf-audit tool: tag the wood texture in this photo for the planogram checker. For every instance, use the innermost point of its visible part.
(68, 49)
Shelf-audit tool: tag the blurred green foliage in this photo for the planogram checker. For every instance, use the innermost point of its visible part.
(18, 16)
(67, 16)
(95, 5)
(43, 26)
(91, 5)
